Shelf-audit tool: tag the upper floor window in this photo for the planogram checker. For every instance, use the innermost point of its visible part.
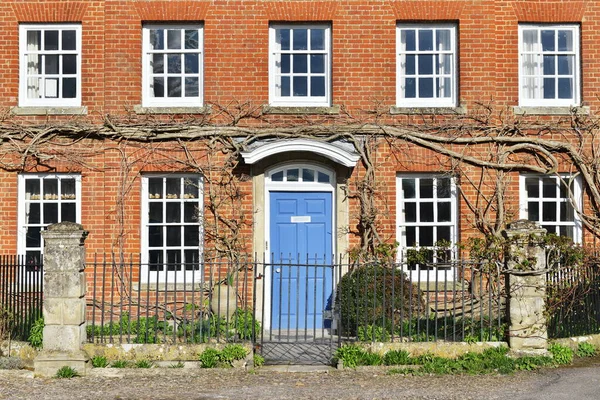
(45, 199)
(172, 66)
(426, 65)
(552, 202)
(50, 65)
(300, 65)
(549, 65)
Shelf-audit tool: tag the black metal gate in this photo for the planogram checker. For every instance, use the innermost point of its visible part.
(294, 304)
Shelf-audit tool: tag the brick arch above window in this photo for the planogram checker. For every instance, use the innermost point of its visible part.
(427, 10)
(172, 10)
(301, 10)
(559, 12)
(50, 12)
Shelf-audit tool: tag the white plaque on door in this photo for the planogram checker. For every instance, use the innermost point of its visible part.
(300, 219)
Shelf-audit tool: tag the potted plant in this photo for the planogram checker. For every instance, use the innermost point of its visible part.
(224, 295)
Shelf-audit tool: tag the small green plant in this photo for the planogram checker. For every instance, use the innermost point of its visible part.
(177, 365)
(144, 364)
(99, 362)
(259, 360)
(349, 355)
(396, 357)
(372, 333)
(585, 349)
(36, 334)
(233, 352)
(209, 358)
(120, 364)
(66, 372)
(561, 354)
(368, 358)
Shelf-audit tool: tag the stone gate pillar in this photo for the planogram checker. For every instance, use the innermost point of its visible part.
(64, 300)
(526, 265)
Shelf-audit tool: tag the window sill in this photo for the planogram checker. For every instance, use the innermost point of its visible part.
(333, 110)
(551, 110)
(49, 110)
(394, 110)
(170, 287)
(171, 110)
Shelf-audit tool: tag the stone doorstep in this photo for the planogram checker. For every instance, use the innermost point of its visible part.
(47, 363)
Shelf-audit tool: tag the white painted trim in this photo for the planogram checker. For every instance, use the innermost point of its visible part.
(328, 150)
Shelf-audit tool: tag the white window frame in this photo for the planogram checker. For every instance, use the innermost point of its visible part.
(576, 202)
(438, 55)
(417, 273)
(24, 75)
(536, 96)
(148, 100)
(24, 202)
(274, 69)
(182, 275)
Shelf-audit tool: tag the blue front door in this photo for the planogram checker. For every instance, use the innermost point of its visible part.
(301, 249)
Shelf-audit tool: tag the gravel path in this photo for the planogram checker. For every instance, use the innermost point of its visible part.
(168, 383)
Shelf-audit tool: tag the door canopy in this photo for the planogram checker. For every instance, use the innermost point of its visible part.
(337, 152)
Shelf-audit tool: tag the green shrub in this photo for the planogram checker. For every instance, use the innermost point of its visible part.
(372, 333)
(561, 354)
(378, 296)
(99, 362)
(232, 352)
(585, 349)
(209, 358)
(36, 334)
(66, 372)
(243, 321)
(368, 358)
(396, 357)
(349, 355)
(259, 360)
(120, 364)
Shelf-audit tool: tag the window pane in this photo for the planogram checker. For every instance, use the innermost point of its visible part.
(33, 237)
(174, 87)
(67, 189)
(549, 89)
(157, 39)
(565, 65)
(173, 260)
(565, 40)
(192, 64)
(408, 188)
(308, 175)
(444, 213)
(68, 40)
(300, 39)
(547, 40)
(192, 87)
(567, 213)
(410, 88)
(549, 187)
(50, 213)
(426, 188)
(191, 236)
(549, 211)
(443, 233)
(426, 87)
(69, 64)
(50, 40)
(410, 212)
(408, 39)
(317, 63)
(69, 88)
(285, 64)
(300, 63)
(533, 209)
(51, 64)
(426, 236)
(173, 188)
(426, 212)
(411, 236)
(158, 63)
(191, 39)
(282, 36)
(565, 88)
(566, 231)
(443, 188)
(34, 40)
(317, 86)
(443, 40)
(323, 178)
(425, 40)
(317, 39)
(155, 211)
(68, 212)
(410, 64)
(155, 259)
(277, 177)
(190, 212)
(549, 65)
(173, 212)
(173, 236)
(33, 213)
(300, 86)
(158, 87)
(32, 189)
(532, 187)
(50, 189)
(174, 63)
(425, 64)
(292, 175)
(173, 39)
(192, 258)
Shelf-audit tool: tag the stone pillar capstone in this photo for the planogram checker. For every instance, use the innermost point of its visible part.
(526, 267)
(64, 300)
